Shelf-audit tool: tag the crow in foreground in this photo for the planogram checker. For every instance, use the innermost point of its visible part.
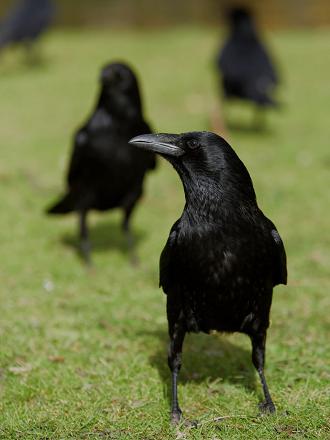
(105, 171)
(26, 22)
(245, 66)
(223, 256)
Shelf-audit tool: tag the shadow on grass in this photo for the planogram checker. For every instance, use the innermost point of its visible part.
(104, 236)
(19, 66)
(207, 358)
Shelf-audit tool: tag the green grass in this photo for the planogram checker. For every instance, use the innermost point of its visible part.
(83, 354)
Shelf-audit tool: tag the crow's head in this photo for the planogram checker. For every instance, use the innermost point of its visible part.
(118, 76)
(241, 21)
(120, 90)
(202, 159)
(194, 152)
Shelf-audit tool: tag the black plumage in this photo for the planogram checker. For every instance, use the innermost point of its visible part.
(223, 256)
(26, 22)
(245, 65)
(106, 172)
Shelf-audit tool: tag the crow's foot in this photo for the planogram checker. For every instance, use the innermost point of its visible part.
(176, 416)
(267, 407)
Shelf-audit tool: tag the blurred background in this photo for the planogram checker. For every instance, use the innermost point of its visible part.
(82, 354)
(273, 13)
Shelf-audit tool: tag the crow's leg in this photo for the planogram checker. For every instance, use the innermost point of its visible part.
(128, 233)
(177, 334)
(85, 246)
(258, 359)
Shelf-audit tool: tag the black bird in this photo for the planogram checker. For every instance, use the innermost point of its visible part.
(223, 256)
(106, 172)
(26, 22)
(246, 68)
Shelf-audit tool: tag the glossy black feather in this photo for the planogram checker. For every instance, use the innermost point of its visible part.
(223, 256)
(26, 21)
(245, 65)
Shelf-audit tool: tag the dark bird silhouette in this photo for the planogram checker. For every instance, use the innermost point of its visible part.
(246, 68)
(26, 22)
(223, 256)
(106, 172)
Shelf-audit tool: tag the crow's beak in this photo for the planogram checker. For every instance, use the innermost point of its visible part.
(163, 143)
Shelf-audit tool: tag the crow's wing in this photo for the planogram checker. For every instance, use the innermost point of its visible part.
(241, 60)
(280, 268)
(79, 157)
(166, 259)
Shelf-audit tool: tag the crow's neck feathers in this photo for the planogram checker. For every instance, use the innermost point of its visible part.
(123, 105)
(216, 197)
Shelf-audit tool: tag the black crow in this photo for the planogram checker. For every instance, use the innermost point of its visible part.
(245, 66)
(105, 171)
(26, 22)
(223, 256)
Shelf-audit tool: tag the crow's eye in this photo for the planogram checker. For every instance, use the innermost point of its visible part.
(192, 144)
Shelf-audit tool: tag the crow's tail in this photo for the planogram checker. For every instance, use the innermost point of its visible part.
(63, 206)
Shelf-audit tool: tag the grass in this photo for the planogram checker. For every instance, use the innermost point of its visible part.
(83, 355)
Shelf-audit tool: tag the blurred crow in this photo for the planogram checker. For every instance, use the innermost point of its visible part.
(26, 22)
(223, 256)
(246, 68)
(105, 171)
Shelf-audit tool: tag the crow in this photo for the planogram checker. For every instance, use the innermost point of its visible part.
(106, 172)
(26, 22)
(223, 255)
(245, 66)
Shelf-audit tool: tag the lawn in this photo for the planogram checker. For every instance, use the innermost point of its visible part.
(83, 353)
